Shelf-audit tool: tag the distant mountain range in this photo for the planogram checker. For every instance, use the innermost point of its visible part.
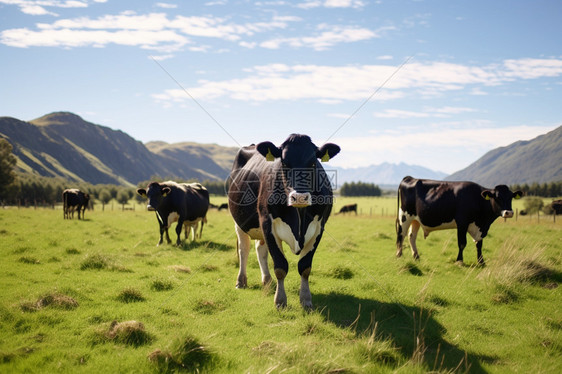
(538, 160)
(62, 144)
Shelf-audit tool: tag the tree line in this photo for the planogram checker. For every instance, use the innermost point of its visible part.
(551, 189)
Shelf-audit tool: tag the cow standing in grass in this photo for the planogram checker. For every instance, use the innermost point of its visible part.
(437, 205)
(281, 194)
(186, 203)
(74, 200)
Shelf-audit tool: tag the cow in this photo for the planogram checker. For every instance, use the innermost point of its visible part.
(185, 203)
(348, 208)
(556, 206)
(438, 205)
(280, 194)
(223, 206)
(74, 199)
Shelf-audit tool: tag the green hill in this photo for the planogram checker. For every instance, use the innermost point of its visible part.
(537, 160)
(64, 145)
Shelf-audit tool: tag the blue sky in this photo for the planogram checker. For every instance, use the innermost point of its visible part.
(430, 83)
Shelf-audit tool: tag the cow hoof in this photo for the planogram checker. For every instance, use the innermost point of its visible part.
(459, 263)
(281, 305)
(266, 281)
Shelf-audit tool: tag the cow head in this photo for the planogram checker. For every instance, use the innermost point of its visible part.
(299, 161)
(500, 198)
(155, 192)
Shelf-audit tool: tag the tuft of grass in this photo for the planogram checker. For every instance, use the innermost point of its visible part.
(29, 260)
(94, 262)
(412, 268)
(186, 354)
(161, 285)
(72, 251)
(54, 300)
(128, 332)
(341, 272)
(130, 295)
(516, 265)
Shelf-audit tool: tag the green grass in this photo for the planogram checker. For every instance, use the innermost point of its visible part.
(99, 296)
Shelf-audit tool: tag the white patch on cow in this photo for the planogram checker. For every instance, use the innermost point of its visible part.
(475, 232)
(172, 217)
(444, 226)
(283, 232)
(255, 234)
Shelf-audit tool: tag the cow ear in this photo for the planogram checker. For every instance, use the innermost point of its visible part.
(142, 192)
(517, 195)
(487, 194)
(327, 151)
(166, 191)
(268, 150)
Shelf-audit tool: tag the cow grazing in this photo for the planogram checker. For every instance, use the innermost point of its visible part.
(185, 203)
(223, 206)
(348, 209)
(436, 205)
(74, 200)
(280, 194)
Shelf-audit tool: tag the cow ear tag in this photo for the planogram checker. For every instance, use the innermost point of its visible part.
(269, 156)
(326, 157)
(487, 197)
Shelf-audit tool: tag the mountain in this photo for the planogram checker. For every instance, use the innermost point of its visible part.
(384, 174)
(537, 160)
(64, 145)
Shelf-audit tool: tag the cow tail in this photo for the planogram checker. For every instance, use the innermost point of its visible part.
(398, 211)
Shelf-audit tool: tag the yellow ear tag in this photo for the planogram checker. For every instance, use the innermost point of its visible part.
(325, 158)
(269, 156)
(487, 197)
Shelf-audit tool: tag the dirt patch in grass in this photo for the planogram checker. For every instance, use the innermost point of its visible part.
(180, 269)
(54, 300)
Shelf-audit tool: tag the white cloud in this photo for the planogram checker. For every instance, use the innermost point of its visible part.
(166, 5)
(153, 31)
(448, 145)
(39, 7)
(326, 37)
(331, 84)
(331, 4)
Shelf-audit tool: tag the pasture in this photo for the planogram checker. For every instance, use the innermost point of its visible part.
(99, 296)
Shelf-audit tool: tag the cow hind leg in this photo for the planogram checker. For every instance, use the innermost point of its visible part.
(479, 253)
(243, 252)
(262, 252)
(413, 234)
(461, 239)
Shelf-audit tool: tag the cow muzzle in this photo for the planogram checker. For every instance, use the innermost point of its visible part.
(299, 199)
(150, 208)
(507, 213)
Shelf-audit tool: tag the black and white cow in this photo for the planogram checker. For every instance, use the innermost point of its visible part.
(348, 209)
(438, 205)
(186, 203)
(281, 194)
(74, 200)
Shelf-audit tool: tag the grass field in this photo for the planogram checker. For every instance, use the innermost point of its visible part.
(99, 296)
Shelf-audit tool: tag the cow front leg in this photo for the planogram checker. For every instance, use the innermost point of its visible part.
(243, 252)
(414, 228)
(262, 253)
(179, 228)
(479, 253)
(281, 268)
(305, 265)
(461, 239)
